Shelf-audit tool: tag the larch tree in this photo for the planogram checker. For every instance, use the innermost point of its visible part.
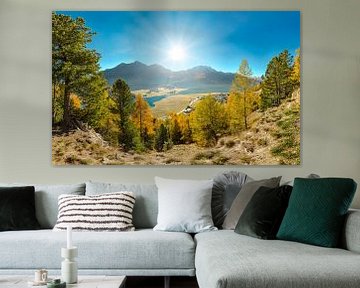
(143, 119)
(295, 75)
(241, 89)
(208, 121)
(234, 109)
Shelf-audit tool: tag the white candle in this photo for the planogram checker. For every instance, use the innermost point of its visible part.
(69, 237)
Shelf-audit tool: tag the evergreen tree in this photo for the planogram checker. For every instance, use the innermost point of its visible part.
(175, 129)
(74, 66)
(161, 138)
(277, 82)
(124, 100)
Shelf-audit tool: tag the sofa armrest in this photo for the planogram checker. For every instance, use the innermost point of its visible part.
(351, 234)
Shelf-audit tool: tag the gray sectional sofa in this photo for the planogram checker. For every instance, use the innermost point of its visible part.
(219, 259)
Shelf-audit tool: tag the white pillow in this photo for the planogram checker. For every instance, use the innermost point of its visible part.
(104, 212)
(184, 205)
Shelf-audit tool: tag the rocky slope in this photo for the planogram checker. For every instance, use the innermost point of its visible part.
(272, 139)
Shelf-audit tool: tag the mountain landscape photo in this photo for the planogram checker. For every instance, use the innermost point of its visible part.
(131, 95)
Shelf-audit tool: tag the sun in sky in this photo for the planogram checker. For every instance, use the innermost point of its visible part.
(177, 53)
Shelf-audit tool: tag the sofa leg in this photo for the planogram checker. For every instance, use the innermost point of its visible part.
(167, 282)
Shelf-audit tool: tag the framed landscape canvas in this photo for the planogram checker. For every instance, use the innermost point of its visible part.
(176, 88)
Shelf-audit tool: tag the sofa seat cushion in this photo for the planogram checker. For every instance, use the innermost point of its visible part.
(226, 259)
(142, 249)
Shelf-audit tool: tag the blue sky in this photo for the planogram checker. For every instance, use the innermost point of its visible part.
(180, 40)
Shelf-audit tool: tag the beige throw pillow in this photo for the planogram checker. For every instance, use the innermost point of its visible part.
(243, 198)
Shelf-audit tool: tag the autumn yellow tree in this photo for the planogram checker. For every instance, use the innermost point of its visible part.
(234, 109)
(241, 89)
(295, 75)
(184, 123)
(208, 122)
(143, 119)
(175, 129)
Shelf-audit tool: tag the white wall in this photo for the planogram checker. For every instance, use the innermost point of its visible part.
(330, 90)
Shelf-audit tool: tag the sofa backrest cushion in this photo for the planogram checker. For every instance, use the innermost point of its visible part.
(146, 204)
(46, 200)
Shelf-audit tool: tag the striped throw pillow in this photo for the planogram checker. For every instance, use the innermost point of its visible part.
(105, 212)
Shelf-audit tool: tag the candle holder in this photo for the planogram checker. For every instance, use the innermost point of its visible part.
(68, 265)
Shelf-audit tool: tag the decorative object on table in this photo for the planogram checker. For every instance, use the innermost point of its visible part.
(173, 87)
(69, 269)
(40, 279)
(41, 275)
(56, 283)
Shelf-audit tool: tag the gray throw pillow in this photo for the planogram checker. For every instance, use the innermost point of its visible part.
(146, 204)
(184, 205)
(242, 199)
(46, 200)
(226, 187)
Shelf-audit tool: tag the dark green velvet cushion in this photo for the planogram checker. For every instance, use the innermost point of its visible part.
(17, 208)
(264, 212)
(316, 211)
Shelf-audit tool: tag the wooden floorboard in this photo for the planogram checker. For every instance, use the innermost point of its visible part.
(158, 282)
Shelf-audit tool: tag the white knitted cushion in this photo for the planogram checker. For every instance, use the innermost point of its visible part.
(105, 212)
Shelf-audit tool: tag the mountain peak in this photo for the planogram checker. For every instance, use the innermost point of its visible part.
(142, 76)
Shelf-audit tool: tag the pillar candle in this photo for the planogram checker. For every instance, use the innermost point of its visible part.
(69, 237)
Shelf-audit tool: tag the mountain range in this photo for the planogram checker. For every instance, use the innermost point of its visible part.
(141, 76)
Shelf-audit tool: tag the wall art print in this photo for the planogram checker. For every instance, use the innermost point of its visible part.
(176, 87)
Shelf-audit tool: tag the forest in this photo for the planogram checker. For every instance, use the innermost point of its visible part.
(82, 97)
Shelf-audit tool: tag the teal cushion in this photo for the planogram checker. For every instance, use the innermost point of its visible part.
(316, 211)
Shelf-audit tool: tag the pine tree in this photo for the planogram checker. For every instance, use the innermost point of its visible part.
(74, 66)
(175, 129)
(277, 82)
(124, 100)
(161, 138)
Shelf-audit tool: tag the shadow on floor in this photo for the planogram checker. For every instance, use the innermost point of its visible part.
(158, 282)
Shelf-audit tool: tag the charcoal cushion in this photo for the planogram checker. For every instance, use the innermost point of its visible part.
(316, 211)
(225, 189)
(263, 215)
(46, 200)
(243, 198)
(17, 209)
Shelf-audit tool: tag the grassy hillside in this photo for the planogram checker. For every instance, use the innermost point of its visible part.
(273, 138)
